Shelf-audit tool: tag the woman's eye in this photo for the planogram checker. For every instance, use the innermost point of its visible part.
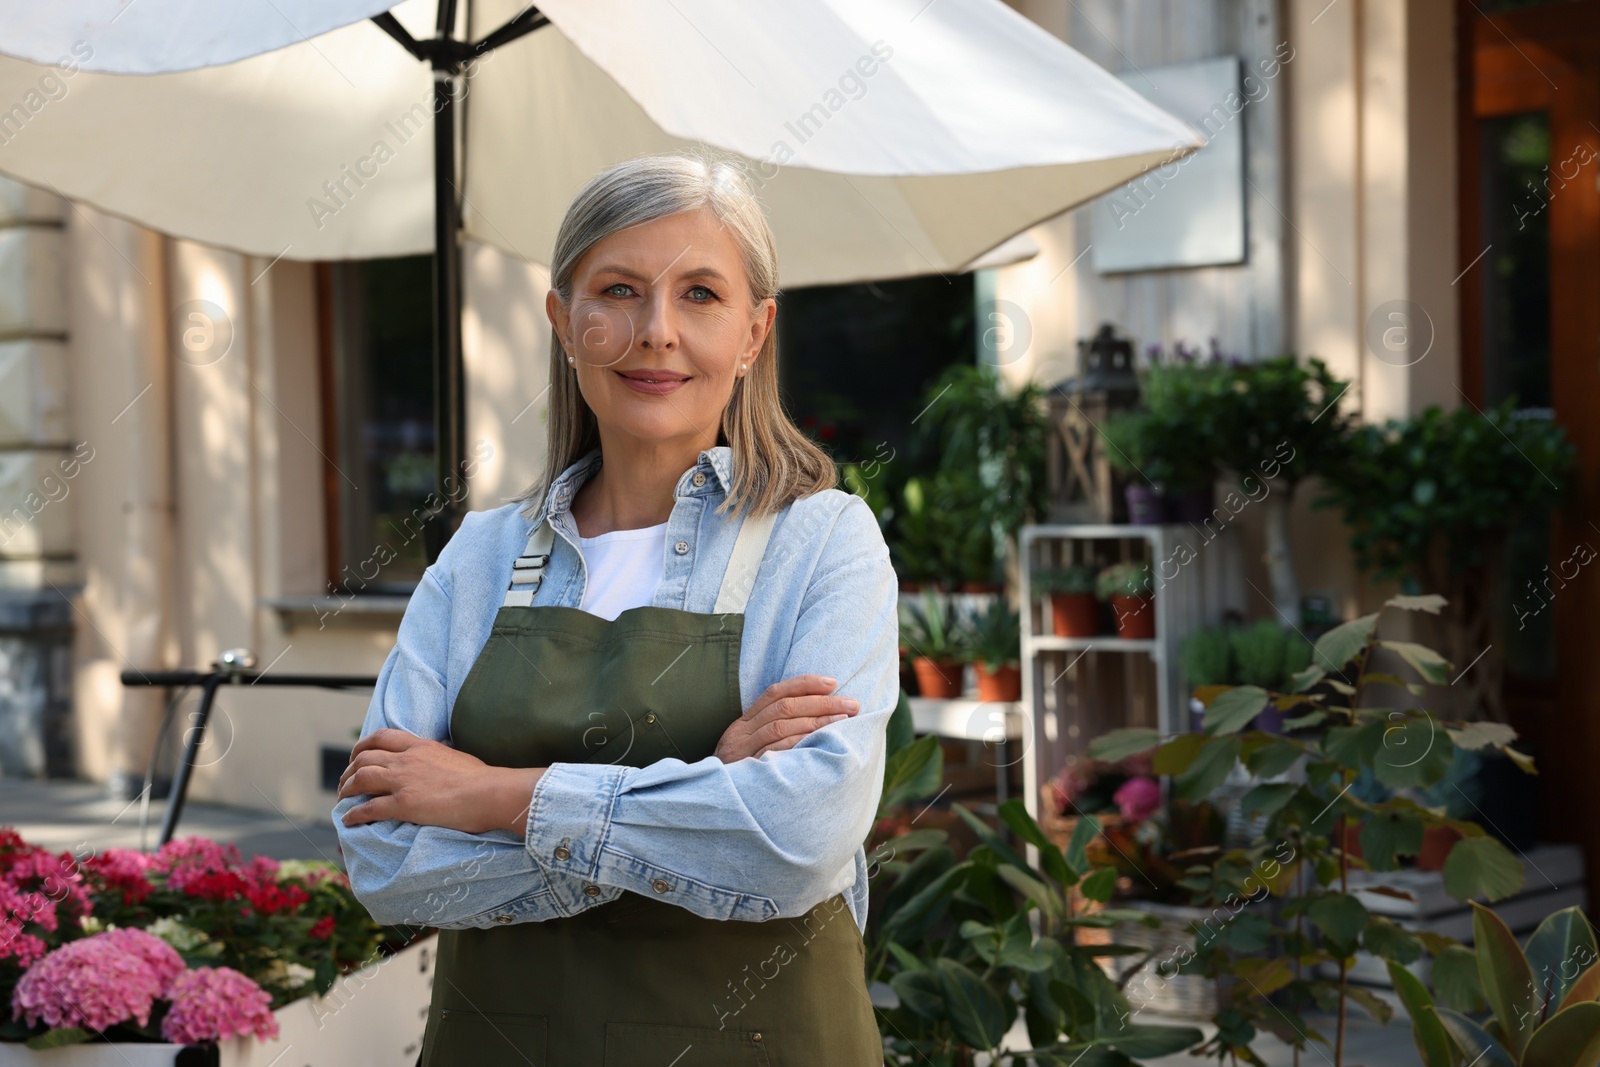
(611, 290)
(700, 293)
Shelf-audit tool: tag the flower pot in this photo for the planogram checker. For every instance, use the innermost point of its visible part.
(1192, 506)
(1003, 684)
(1437, 841)
(1145, 506)
(372, 1015)
(1136, 616)
(1352, 839)
(1074, 614)
(938, 678)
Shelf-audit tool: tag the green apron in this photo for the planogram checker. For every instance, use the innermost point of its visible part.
(637, 981)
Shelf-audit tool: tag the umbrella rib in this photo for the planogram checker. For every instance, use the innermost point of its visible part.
(527, 20)
(391, 25)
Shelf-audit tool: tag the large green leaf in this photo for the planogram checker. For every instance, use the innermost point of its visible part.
(1390, 941)
(976, 1011)
(1433, 668)
(1267, 798)
(1477, 735)
(1569, 1038)
(1477, 1047)
(1585, 987)
(1433, 1044)
(1339, 916)
(61, 1035)
(1176, 755)
(1357, 746)
(1015, 815)
(913, 772)
(1415, 752)
(1234, 708)
(1481, 867)
(1120, 744)
(908, 923)
(1145, 1042)
(1561, 949)
(1503, 970)
(1209, 768)
(1078, 844)
(1341, 644)
(920, 991)
(1045, 898)
(1455, 979)
(1388, 833)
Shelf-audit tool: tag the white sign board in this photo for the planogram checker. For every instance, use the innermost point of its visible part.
(1190, 212)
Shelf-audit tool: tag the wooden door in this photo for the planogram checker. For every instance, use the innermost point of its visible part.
(1529, 123)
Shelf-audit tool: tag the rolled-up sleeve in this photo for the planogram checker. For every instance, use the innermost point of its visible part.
(763, 837)
(405, 873)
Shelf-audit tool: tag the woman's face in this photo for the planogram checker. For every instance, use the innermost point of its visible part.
(660, 319)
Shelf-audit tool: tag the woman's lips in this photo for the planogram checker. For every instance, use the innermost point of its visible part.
(659, 388)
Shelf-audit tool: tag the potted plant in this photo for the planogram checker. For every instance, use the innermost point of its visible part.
(1131, 591)
(192, 945)
(938, 640)
(1542, 997)
(1267, 655)
(997, 652)
(1074, 610)
(1342, 732)
(1207, 656)
(1131, 449)
(959, 947)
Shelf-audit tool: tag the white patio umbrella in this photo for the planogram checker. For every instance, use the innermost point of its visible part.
(886, 137)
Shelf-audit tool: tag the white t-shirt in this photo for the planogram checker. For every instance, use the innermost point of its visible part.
(624, 569)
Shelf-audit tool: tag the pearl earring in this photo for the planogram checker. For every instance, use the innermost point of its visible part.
(741, 368)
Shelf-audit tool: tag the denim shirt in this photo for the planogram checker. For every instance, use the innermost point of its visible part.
(758, 839)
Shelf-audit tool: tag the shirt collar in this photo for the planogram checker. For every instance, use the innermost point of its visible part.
(715, 463)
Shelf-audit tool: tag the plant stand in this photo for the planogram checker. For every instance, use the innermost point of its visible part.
(372, 1017)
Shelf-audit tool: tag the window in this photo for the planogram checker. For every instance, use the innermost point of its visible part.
(378, 423)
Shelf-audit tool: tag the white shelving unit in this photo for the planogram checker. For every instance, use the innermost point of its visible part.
(1000, 725)
(1075, 688)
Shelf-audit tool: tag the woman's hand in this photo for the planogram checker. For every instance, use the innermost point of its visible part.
(433, 784)
(780, 717)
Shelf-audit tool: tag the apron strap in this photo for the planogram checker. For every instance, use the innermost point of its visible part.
(740, 576)
(527, 572)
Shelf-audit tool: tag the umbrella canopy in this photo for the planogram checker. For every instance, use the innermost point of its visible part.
(885, 139)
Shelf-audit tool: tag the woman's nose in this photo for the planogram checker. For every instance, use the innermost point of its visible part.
(659, 330)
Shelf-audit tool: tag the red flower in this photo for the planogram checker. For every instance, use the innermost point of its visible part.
(322, 928)
(271, 898)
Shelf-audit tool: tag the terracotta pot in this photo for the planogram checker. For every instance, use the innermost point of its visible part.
(1437, 841)
(1074, 614)
(1136, 616)
(1004, 684)
(1352, 839)
(937, 678)
(911, 587)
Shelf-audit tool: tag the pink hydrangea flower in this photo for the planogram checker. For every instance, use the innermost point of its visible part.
(1138, 798)
(93, 983)
(159, 956)
(123, 869)
(211, 1003)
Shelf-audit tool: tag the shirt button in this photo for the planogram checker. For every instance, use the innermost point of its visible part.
(699, 478)
(591, 890)
(562, 853)
(660, 886)
(502, 918)
(681, 547)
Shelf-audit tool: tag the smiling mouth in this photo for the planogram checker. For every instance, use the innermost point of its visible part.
(653, 376)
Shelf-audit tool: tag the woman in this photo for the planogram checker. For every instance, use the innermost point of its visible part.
(630, 863)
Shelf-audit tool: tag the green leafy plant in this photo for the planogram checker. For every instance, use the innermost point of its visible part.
(1130, 578)
(954, 938)
(997, 636)
(1543, 998)
(935, 536)
(1268, 655)
(1346, 725)
(1207, 655)
(1430, 502)
(930, 626)
(1074, 578)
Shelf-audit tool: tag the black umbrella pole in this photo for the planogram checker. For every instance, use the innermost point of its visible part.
(449, 385)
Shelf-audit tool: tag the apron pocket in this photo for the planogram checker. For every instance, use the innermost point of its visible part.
(633, 1044)
(479, 1038)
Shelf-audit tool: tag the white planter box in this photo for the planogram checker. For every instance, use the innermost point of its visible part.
(373, 1017)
